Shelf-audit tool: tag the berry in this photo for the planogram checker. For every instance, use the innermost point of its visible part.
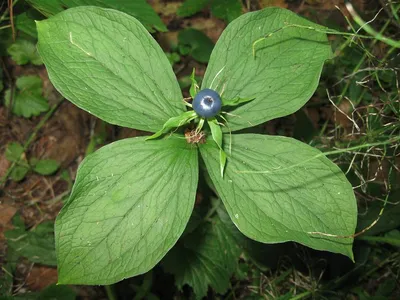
(207, 103)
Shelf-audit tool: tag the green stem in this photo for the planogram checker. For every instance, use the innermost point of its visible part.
(302, 295)
(31, 138)
(110, 292)
(380, 239)
(359, 64)
(212, 211)
(365, 26)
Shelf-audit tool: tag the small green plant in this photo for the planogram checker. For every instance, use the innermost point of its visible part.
(26, 98)
(132, 199)
(15, 154)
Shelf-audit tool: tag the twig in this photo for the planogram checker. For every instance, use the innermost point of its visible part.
(11, 9)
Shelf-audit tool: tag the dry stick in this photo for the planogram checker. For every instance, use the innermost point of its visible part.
(30, 140)
(11, 8)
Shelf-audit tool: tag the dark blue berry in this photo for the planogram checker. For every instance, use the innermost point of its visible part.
(207, 103)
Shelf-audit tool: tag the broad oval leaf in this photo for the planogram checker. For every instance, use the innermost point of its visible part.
(283, 74)
(130, 204)
(106, 62)
(278, 189)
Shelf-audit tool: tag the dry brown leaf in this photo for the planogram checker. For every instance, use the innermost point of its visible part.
(41, 277)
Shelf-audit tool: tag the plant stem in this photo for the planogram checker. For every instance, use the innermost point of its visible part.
(110, 292)
(5, 27)
(302, 295)
(364, 25)
(380, 239)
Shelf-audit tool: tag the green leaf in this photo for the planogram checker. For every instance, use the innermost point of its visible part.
(46, 7)
(175, 122)
(46, 166)
(19, 173)
(236, 101)
(27, 100)
(57, 292)
(173, 57)
(227, 10)
(14, 151)
(216, 133)
(36, 245)
(282, 76)
(278, 189)
(23, 52)
(26, 24)
(8, 268)
(263, 255)
(206, 257)
(190, 7)
(125, 213)
(105, 62)
(200, 45)
(139, 9)
(194, 86)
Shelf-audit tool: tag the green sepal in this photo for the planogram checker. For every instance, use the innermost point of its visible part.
(236, 101)
(194, 88)
(174, 122)
(216, 133)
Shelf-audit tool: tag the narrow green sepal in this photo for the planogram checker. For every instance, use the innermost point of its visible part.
(194, 88)
(174, 122)
(216, 133)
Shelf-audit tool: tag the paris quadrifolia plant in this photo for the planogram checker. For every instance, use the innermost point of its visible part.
(132, 199)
